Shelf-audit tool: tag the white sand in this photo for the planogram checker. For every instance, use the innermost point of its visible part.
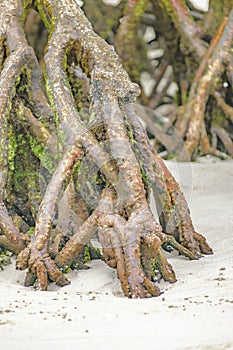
(194, 313)
(202, 5)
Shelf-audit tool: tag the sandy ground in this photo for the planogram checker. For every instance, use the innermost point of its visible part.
(194, 313)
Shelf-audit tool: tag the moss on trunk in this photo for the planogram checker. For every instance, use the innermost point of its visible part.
(76, 162)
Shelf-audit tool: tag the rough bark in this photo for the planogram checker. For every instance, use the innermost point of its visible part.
(75, 125)
(183, 50)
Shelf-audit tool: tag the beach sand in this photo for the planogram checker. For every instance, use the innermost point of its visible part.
(196, 312)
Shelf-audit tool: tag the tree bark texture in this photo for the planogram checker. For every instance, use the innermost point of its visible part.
(75, 161)
(191, 49)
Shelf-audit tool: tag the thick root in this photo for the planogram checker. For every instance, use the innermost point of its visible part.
(40, 270)
(116, 146)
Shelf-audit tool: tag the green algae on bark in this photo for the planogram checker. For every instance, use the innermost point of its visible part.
(79, 164)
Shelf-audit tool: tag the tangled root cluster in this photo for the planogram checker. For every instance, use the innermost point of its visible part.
(87, 171)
